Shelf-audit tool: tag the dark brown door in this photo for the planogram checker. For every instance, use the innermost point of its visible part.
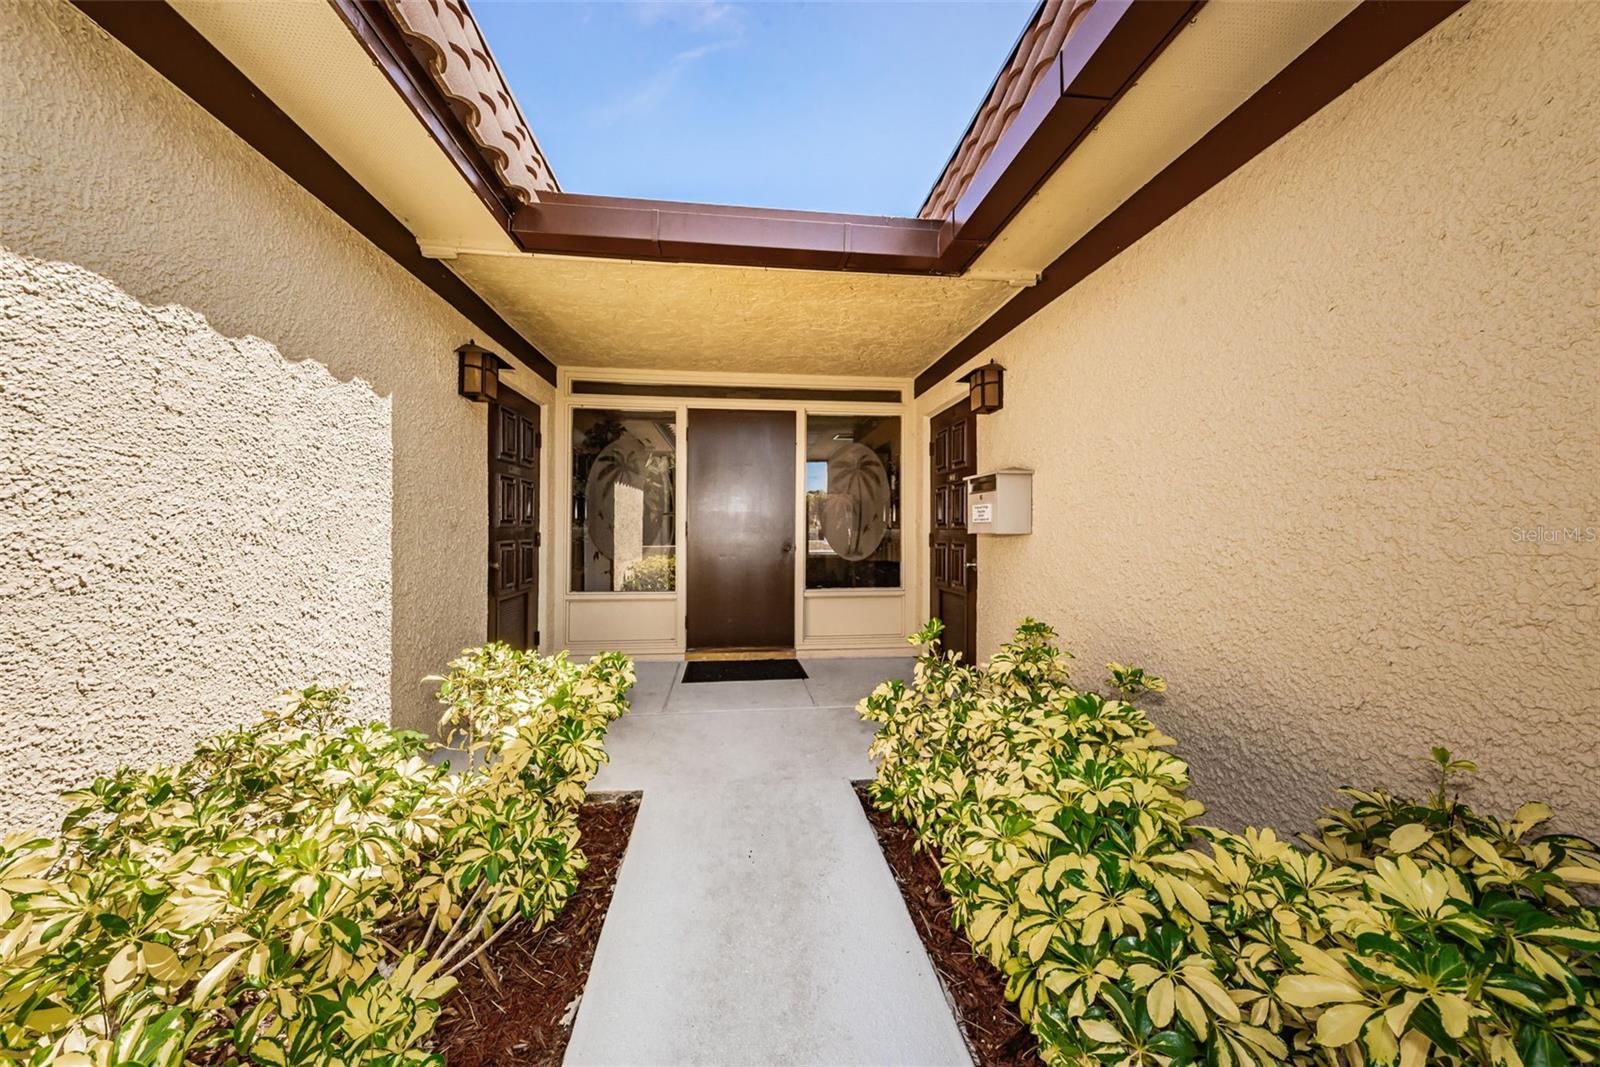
(741, 486)
(514, 441)
(953, 552)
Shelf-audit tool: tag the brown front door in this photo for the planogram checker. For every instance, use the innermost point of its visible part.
(514, 520)
(741, 486)
(953, 448)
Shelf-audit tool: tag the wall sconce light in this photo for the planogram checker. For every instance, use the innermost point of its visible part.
(986, 388)
(480, 373)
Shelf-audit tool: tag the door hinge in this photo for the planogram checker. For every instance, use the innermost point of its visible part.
(538, 439)
(538, 539)
(536, 640)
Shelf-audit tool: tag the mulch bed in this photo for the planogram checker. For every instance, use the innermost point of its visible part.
(995, 1033)
(518, 1006)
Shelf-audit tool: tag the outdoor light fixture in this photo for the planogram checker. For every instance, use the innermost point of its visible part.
(480, 373)
(986, 388)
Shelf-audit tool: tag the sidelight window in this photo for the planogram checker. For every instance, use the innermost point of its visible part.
(852, 501)
(624, 501)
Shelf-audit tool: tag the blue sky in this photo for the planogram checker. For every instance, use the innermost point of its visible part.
(832, 107)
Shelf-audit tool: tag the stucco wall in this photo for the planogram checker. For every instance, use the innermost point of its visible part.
(1286, 443)
(229, 430)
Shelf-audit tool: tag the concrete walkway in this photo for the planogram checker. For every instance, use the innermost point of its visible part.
(755, 920)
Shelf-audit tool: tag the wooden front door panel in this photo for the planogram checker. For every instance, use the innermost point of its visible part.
(952, 551)
(740, 536)
(514, 441)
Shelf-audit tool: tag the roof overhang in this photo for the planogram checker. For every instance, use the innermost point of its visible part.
(1138, 88)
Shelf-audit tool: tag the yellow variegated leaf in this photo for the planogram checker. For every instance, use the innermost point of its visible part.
(1528, 816)
(1453, 1012)
(1160, 1001)
(1414, 1049)
(1039, 942)
(1189, 1007)
(983, 922)
(1101, 1031)
(161, 962)
(1210, 990)
(1409, 837)
(1341, 1024)
(1313, 990)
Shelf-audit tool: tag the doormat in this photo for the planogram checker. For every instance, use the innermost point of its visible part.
(743, 670)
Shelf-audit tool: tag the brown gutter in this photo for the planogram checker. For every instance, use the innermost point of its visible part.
(1106, 51)
(629, 228)
(161, 37)
(1359, 44)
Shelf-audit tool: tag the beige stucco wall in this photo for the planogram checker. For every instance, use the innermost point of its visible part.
(1286, 443)
(229, 434)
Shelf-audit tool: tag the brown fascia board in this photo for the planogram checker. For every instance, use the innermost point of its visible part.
(164, 40)
(1098, 62)
(373, 25)
(1359, 44)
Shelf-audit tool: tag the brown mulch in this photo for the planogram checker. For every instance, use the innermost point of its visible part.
(995, 1033)
(517, 1008)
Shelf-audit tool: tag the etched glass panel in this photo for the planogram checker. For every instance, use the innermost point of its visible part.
(852, 501)
(624, 501)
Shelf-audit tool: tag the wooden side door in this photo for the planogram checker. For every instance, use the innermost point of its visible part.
(514, 442)
(740, 532)
(952, 551)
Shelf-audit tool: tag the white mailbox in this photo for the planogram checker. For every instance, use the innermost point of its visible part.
(1000, 503)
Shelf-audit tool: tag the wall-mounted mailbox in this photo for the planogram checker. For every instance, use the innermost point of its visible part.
(1000, 503)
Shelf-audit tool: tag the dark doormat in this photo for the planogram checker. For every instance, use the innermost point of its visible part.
(743, 670)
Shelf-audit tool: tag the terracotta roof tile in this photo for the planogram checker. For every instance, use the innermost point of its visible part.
(445, 35)
(1029, 63)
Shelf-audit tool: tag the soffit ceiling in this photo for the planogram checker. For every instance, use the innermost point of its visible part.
(681, 316)
(303, 56)
(673, 316)
(1231, 49)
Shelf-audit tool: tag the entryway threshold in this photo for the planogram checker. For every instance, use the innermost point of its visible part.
(721, 671)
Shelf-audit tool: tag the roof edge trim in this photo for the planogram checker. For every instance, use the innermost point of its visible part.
(1360, 43)
(164, 40)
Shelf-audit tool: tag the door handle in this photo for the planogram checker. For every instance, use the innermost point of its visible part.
(972, 566)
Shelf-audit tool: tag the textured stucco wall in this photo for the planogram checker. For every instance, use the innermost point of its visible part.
(233, 457)
(1286, 442)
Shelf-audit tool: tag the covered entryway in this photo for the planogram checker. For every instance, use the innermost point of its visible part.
(709, 513)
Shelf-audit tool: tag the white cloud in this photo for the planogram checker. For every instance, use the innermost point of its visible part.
(702, 15)
(722, 20)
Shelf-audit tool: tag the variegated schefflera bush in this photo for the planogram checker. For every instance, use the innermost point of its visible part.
(302, 890)
(1407, 932)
